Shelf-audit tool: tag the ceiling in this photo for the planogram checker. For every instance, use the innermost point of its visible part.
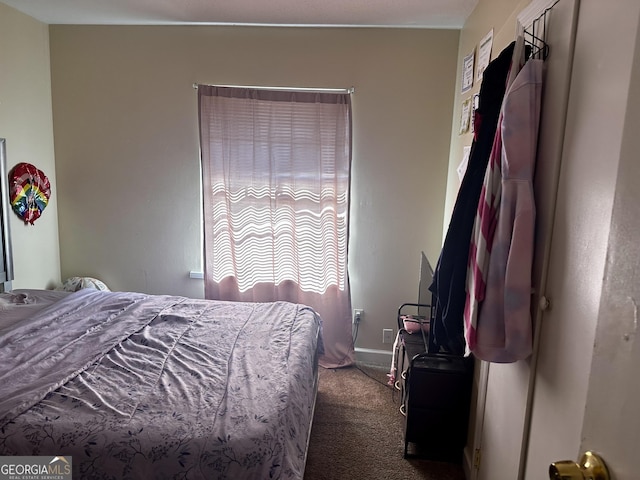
(360, 13)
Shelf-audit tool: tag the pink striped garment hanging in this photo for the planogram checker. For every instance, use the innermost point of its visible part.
(503, 330)
(487, 218)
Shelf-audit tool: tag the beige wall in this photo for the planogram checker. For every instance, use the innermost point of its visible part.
(127, 146)
(501, 16)
(26, 124)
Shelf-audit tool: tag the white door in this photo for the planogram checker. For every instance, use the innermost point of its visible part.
(584, 391)
(587, 389)
(504, 426)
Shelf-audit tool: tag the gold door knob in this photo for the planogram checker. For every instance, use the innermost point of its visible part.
(591, 467)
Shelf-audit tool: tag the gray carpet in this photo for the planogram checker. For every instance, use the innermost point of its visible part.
(357, 432)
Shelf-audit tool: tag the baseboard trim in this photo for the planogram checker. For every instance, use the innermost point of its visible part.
(370, 356)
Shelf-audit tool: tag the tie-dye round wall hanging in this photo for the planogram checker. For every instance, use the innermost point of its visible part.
(30, 191)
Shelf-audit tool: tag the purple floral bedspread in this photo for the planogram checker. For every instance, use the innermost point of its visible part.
(151, 387)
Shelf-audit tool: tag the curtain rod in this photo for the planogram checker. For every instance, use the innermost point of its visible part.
(287, 89)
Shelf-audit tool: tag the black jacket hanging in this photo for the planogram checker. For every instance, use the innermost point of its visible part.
(449, 279)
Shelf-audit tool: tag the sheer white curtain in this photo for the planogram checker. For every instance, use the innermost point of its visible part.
(276, 173)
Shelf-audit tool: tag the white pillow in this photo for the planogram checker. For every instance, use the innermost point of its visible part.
(74, 284)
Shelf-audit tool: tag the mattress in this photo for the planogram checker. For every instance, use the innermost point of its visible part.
(131, 385)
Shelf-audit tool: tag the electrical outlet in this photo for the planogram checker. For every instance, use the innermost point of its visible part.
(358, 313)
(387, 335)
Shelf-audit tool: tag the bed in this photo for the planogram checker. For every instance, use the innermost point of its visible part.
(155, 386)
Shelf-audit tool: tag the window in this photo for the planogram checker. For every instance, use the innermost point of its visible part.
(276, 173)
